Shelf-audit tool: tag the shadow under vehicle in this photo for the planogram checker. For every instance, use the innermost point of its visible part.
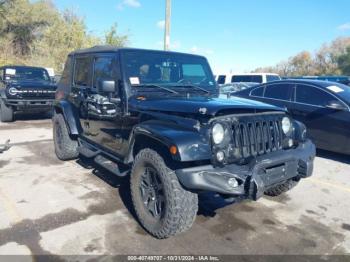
(157, 116)
(25, 89)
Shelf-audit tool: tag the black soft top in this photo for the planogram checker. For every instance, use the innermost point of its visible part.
(113, 49)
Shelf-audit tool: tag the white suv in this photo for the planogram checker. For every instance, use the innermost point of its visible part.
(258, 78)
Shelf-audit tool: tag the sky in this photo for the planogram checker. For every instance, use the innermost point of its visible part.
(235, 35)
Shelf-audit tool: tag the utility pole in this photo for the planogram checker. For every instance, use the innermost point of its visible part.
(167, 25)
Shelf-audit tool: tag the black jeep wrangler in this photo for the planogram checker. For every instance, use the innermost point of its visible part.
(24, 88)
(156, 116)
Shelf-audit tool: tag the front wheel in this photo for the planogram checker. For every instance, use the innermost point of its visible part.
(163, 207)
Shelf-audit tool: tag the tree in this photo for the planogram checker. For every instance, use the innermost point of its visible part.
(344, 62)
(112, 38)
(324, 61)
(36, 33)
(22, 20)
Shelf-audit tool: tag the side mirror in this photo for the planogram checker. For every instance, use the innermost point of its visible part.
(336, 105)
(107, 86)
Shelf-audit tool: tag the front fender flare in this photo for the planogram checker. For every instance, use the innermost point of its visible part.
(192, 145)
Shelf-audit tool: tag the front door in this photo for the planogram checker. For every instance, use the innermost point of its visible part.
(105, 110)
(328, 128)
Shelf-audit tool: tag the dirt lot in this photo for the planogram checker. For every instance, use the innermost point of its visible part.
(53, 207)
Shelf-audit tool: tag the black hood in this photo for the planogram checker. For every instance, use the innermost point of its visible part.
(199, 105)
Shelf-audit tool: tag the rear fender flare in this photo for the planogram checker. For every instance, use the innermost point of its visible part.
(71, 116)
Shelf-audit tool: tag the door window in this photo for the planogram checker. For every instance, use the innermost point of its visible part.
(279, 91)
(81, 72)
(104, 69)
(311, 95)
(259, 92)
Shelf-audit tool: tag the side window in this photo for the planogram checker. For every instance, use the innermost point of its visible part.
(82, 70)
(312, 95)
(104, 69)
(1, 74)
(65, 78)
(221, 79)
(258, 91)
(281, 91)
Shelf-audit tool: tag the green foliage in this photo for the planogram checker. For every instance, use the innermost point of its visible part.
(344, 62)
(112, 38)
(36, 33)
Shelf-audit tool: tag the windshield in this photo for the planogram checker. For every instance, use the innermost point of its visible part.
(26, 74)
(247, 78)
(174, 71)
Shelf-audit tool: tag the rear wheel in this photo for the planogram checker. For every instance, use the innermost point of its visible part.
(162, 205)
(6, 112)
(66, 148)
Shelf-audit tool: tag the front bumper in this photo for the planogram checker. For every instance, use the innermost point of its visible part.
(30, 103)
(254, 178)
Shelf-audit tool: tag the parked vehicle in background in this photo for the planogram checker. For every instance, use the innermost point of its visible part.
(339, 79)
(321, 105)
(5, 146)
(24, 88)
(247, 78)
(156, 115)
(229, 89)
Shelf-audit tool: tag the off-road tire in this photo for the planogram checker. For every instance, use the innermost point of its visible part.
(66, 148)
(282, 188)
(6, 112)
(181, 206)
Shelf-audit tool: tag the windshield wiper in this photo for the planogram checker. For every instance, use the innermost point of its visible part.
(158, 86)
(193, 86)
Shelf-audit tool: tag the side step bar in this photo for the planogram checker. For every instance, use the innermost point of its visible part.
(90, 152)
(110, 166)
(87, 152)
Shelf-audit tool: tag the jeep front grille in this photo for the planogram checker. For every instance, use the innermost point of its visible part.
(251, 135)
(255, 138)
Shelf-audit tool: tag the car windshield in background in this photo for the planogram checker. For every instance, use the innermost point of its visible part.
(247, 78)
(170, 70)
(235, 87)
(26, 74)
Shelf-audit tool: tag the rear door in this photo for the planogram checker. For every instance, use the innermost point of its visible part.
(279, 94)
(328, 128)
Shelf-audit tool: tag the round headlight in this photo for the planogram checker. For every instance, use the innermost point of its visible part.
(286, 125)
(218, 133)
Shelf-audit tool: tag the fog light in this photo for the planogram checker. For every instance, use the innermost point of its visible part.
(232, 182)
(290, 142)
(220, 156)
